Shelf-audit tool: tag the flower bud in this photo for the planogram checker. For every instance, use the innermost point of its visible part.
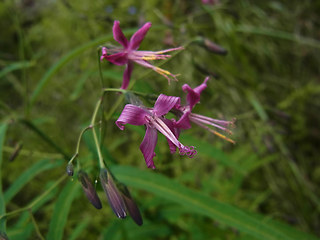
(114, 197)
(131, 205)
(70, 169)
(211, 46)
(89, 190)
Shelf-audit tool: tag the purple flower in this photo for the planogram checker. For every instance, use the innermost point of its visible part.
(185, 114)
(129, 53)
(210, 2)
(154, 121)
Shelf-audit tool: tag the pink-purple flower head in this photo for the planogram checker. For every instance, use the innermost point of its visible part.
(186, 115)
(129, 53)
(154, 121)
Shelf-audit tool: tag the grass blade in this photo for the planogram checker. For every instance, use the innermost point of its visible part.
(3, 129)
(68, 57)
(61, 210)
(207, 206)
(30, 173)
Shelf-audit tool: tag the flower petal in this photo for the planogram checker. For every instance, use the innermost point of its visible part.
(164, 104)
(127, 75)
(148, 145)
(193, 96)
(133, 115)
(117, 58)
(118, 34)
(184, 121)
(176, 132)
(139, 35)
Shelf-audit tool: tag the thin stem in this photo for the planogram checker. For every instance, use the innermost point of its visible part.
(36, 226)
(94, 116)
(33, 203)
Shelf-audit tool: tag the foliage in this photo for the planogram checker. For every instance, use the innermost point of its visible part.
(263, 187)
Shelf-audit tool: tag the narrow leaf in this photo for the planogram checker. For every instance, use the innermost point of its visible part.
(3, 129)
(258, 227)
(29, 174)
(61, 211)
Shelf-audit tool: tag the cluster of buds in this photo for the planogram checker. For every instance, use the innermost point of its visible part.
(117, 193)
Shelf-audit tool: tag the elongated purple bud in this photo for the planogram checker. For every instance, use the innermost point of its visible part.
(132, 207)
(89, 190)
(114, 197)
(211, 46)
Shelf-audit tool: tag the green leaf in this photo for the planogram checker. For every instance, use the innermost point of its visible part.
(30, 173)
(3, 129)
(61, 211)
(258, 227)
(15, 66)
(207, 149)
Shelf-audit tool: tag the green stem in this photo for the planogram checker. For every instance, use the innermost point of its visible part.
(36, 226)
(33, 203)
(94, 116)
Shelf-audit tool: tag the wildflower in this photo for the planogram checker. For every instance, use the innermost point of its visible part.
(89, 189)
(154, 121)
(185, 114)
(114, 197)
(129, 53)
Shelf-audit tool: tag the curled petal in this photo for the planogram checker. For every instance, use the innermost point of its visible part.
(184, 121)
(193, 96)
(139, 35)
(164, 104)
(117, 58)
(118, 34)
(175, 131)
(127, 75)
(148, 145)
(133, 115)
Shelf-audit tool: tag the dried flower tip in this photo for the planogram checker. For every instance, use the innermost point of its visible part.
(89, 190)
(213, 47)
(70, 169)
(114, 197)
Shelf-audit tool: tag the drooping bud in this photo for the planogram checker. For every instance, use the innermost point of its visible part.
(89, 190)
(69, 169)
(114, 197)
(131, 205)
(211, 46)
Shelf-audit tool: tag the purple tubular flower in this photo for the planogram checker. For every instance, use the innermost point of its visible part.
(185, 114)
(154, 121)
(129, 53)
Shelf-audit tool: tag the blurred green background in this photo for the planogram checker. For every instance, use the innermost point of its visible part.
(263, 187)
